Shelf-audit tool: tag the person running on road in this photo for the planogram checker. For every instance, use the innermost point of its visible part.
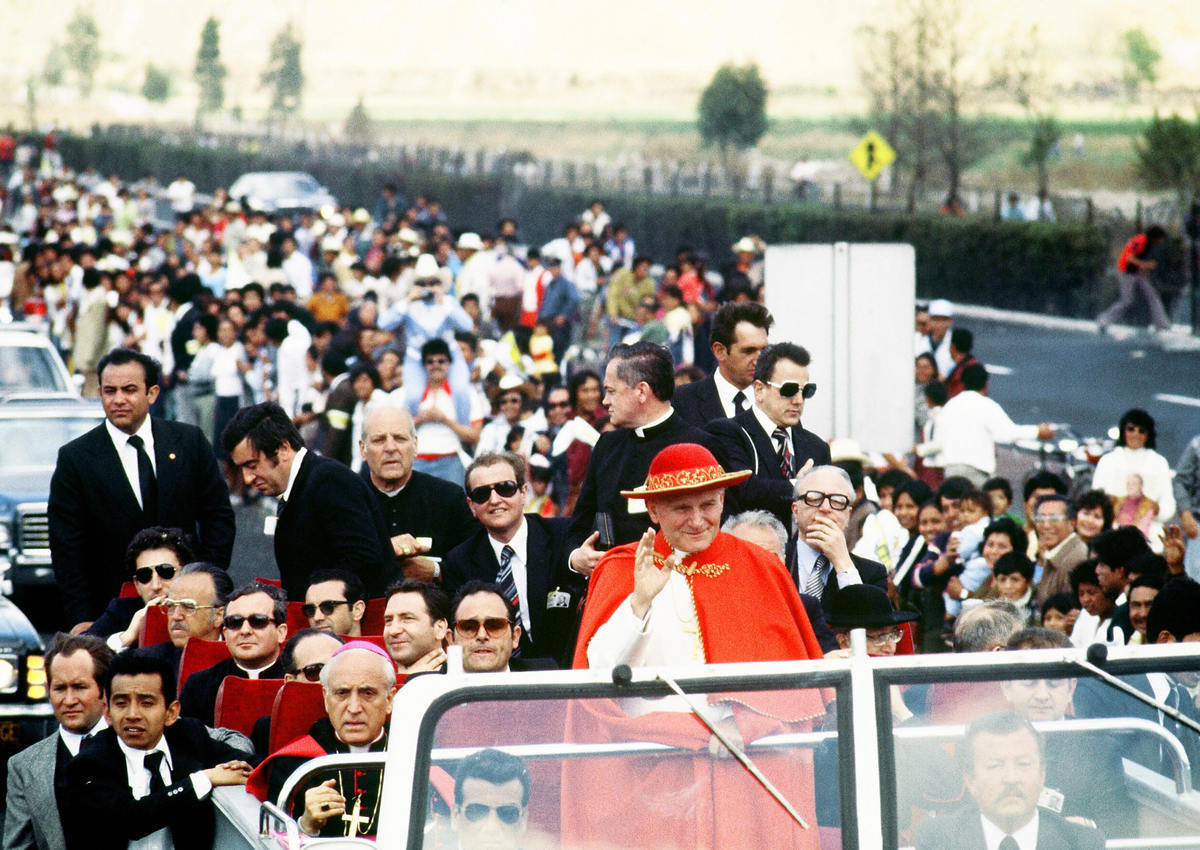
(1132, 268)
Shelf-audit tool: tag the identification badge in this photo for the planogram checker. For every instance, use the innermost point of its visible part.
(636, 506)
(1051, 800)
(558, 599)
(269, 525)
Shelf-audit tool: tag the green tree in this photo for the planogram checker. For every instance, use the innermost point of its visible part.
(1168, 156)
(733, 109)
(54, 70)
(359, 128)
(1046, 133)
(210, 72)
(82, 49)
(1140, 58)
(156, 88)
(1024, 77)
(284, 74)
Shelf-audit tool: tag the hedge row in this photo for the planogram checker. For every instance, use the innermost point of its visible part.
(1051, 268)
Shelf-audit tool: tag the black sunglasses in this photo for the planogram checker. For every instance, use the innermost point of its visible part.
(789, 388)
(234, 622)
(166, 572)
(508, 814)
(327, 607)
(495, 626)
(507, 489)
(311, 672)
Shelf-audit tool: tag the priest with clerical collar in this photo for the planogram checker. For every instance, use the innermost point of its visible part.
(689, 594)
(359, 683)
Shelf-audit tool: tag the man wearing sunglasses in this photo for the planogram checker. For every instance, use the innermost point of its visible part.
(486, 626)
(326, 518)
(524, 553)
(335, 602)
(448, 417)
(767, 438)
(154, 557)
(817, 555)
(131, 472)
(255, 628)
(491, 801)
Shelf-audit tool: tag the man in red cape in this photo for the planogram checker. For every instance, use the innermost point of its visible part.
(690, 595)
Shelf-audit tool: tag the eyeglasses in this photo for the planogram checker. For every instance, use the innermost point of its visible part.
(509, 814)
(311, 672)
(188, 606)
(1129, 426)
(495, 626)
(507, 489)
(327, 607)
(788, 389)
(437, 361)
(814, 498)
(553, 404)
(512, 399)
(234, 622)
(1044, 518)
(885, 638)
(143, 575)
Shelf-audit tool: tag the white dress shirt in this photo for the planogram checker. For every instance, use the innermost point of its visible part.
(968, 428)
(769, 427)
(520, 572)
(139, 784)
(726, 391)
(1026, 836)
(294, 473)
(74, 740)
(129, 455)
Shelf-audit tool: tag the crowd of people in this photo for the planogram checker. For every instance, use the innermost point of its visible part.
(529, 453)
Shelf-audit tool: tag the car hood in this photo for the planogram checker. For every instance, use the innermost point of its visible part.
(26, 484)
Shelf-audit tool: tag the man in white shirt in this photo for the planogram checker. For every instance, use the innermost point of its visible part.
(297, 268)
(146, 781)
(969, 427)
(37, 776)
(1005, 770)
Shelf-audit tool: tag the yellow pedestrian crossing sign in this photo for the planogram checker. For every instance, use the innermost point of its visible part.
(872, 155)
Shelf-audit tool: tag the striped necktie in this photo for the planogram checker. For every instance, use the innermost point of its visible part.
(785, 454)
(505, 579)
(816, 581)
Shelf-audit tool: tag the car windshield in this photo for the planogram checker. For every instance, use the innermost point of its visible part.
(34, 442)
(27, 368)
(275, 185)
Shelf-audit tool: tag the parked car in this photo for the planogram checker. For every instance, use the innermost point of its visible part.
(25, 713)
(30, 366)
(31, 432)
(281, 191)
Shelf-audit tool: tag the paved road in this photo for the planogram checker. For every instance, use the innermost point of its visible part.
(1089, 380)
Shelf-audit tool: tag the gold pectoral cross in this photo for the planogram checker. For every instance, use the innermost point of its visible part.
(356, 819)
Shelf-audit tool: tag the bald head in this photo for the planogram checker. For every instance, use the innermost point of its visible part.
(359, 685)
(389, 445)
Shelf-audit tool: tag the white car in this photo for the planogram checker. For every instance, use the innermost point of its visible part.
(281, 191)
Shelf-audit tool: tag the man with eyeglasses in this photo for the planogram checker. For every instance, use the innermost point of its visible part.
(767, 437)
(195, 606)
(524, 553)
(153, 558)
(326, 518)
(255, 628)
(359, 683)
(1060, 549)
(491, 801)
(335, 602)
(448, 418)
(817, 557)
(486, 626)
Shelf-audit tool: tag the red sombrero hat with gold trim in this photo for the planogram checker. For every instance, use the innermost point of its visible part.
(685, 468)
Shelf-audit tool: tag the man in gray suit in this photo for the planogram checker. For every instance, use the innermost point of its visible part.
(37, 775)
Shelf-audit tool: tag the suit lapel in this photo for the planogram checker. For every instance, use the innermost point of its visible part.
(537, 577)
(289, 509)
(764, 446)
(485, 558)
(111, 475)
(167, 454)
(42, 794)
(712, 400)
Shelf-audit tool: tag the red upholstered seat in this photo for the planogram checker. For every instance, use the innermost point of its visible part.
(298, 705)
(154, 626)
(295, 618)
(372, 622)
(907, 638)
(273, 581)
(200, 655)
(240, 702)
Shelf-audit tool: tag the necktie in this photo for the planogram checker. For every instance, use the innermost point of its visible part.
(505, 579)
(153, 763)
(785, 454)
(279, 505)
(146, 481)
(1009, 843)
(816, 581)
(739, 402)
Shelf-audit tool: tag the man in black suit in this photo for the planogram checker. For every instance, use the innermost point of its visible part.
(255, 628)
(37, 776)
(327, 517)
(638, 385)
(127, 474)
(739, 333)
(524, 553)
(817, 556)
(487, 627)
(768, 437)
(1004, 768)
(425, 516)
(151, 772)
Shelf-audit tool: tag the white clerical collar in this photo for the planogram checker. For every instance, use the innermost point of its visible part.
(296, 461)
(1026, 837)
(364, 748)
(258, 671)
(642, 429)
(74, 740)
